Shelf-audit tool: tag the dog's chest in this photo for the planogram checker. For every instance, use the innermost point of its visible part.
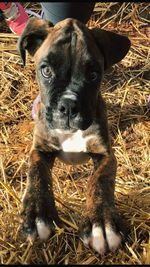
(73, 147)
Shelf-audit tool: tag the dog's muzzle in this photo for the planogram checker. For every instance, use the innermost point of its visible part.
(68, 115)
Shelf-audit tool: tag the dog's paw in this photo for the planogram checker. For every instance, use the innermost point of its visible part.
(101, 237)
(39, 228)
(38, 218)
(96, 239)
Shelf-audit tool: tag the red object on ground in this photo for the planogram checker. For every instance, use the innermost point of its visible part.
(15, 16)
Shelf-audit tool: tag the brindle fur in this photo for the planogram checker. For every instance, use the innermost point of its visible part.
(39, 38)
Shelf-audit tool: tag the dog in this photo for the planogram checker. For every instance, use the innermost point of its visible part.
(71, 124)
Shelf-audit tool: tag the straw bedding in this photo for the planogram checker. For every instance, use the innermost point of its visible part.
(125, 88)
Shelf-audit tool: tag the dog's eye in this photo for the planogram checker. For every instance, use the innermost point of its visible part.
(46, 72)
(93, 76)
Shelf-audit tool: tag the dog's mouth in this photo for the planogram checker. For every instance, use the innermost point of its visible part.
(69, 125)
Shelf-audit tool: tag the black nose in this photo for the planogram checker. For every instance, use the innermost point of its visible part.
(68, 108)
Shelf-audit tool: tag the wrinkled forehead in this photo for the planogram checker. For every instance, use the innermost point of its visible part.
(67, 37)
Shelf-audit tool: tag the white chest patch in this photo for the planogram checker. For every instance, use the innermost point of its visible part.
(73, 147)
(73, 142)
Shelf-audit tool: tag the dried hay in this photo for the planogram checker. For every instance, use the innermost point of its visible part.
(125, 89)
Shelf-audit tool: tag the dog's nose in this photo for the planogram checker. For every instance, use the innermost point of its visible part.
(68, 108)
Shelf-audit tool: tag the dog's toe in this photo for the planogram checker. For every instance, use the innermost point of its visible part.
(43, 229)
(96, 239)
(113, 238)
(28, 229)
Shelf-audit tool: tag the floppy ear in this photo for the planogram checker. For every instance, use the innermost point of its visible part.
(113, 46)
(32, 37)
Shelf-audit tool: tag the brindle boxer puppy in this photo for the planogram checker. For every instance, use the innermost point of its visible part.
(72, 125)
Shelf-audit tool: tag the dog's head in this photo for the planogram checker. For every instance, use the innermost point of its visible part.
(70, 61)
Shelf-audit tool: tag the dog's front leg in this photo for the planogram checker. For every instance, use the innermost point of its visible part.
(101, 227)
(39, 212)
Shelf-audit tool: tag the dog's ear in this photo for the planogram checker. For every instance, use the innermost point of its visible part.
(32, 37)
(113, 46)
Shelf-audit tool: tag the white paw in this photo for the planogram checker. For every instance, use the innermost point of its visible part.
(97, 241)
(42, 229)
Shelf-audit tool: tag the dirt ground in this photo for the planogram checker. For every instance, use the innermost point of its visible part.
(125, 89)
